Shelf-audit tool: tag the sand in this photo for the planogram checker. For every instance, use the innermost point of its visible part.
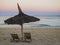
(40, 35)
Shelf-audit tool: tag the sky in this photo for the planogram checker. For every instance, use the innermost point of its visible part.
(30, 7)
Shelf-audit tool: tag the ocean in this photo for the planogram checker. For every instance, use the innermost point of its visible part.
(44, 21)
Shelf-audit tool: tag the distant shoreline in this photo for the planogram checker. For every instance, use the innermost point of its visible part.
(19, 27)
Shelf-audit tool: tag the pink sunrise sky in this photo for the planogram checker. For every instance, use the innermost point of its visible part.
(34, 5)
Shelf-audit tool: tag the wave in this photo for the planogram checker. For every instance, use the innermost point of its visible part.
(41, 25)
(45, 25)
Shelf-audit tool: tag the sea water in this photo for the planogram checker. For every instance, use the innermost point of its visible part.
(44, 21)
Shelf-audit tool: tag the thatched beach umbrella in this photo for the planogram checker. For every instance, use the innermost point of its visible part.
(20, 19)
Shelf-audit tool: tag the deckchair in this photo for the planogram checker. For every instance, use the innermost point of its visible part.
(27, 36)
(15, 37)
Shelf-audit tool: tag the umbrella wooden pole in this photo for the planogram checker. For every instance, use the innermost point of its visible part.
(22, 31)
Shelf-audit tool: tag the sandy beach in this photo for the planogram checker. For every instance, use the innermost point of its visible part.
(40, 35)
